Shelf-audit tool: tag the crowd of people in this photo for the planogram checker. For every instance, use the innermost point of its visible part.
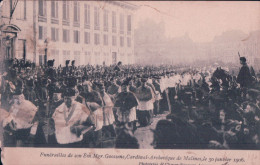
(103, 106)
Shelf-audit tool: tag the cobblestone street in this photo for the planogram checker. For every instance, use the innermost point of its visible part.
(144, 135)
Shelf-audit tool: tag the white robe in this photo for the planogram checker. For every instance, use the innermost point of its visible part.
(108, 114)
(22, 113)
(62, 127)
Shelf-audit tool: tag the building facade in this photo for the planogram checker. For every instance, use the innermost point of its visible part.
(89, 32)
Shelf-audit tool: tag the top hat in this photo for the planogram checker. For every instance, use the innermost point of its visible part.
(50, 62)
(243, 59)
(67, 62)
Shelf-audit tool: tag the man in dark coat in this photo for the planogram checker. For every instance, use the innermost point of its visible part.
(51, 72)
(244, 77)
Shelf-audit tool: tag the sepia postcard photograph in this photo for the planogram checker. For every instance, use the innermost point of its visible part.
(129, 82)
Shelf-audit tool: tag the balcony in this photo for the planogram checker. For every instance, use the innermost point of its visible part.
(42, 19)
(106, 29)
(97, 27)
(54, 21)
(76, 24)
(114, 30)
(66, 22)
(86, 26)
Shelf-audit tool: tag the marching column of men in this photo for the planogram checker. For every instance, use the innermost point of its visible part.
(54, 107)
(87, 106)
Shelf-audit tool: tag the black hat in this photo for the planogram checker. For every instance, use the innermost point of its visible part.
(72, 62)
(144, 78)
(157, 77)
(67, 62)
(50, 62)
(44, 81)
(126, 82)
(69, 92)
(243, 59)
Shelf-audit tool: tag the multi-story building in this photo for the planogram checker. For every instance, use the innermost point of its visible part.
(89, 32)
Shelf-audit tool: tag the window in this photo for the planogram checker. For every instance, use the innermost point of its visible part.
(129, 24)
(96, 18)
(65, 6)
(105, 39)
(114, 40)
(87, 16)
(42, 33)
(21, 49)
(87, 37)
(97, 58)
(76, 36)
(57, 58)
(106, 58)
(40, 59)
(42, 8)
(66, 35)
(21, 10)
(87, 57)
(114, 22)
(76, 12)
(122, 41)
(55, 55)
(121, 24)
(96, 38)
(77, 57)
(66, 56)
(129, 44)
(54, 9)
(105, 20)
(54, 34)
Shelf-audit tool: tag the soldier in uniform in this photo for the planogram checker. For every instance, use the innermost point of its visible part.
(72, 67)
(117, 67)
(66, 69)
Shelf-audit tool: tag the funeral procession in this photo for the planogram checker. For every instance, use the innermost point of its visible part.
(127, 74)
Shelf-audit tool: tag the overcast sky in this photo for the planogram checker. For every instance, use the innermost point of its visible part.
(201, 20)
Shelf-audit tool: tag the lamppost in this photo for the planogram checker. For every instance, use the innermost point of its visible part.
(46, 51)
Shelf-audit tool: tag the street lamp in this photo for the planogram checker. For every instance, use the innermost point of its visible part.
(46, 51)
